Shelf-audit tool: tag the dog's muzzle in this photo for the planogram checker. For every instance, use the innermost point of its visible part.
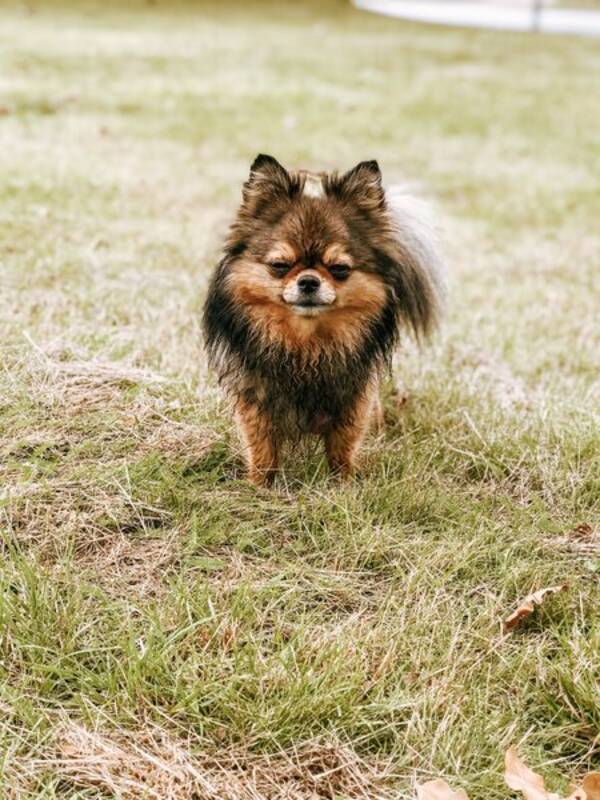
(309, 295)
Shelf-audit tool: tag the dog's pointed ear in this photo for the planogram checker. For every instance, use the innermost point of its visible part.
(267, 181)
(266, 166)
(267, 171)
(362, 185)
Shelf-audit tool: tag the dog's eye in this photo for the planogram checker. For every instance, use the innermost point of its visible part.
(339, 271)
(280, 267)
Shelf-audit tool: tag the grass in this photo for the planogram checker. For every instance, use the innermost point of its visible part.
(167, 630)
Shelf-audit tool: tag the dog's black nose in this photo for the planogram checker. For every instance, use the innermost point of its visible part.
(308, 284)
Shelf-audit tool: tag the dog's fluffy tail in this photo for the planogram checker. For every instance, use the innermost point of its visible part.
(422, 279)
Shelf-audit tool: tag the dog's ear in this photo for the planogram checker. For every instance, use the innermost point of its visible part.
(363, 186)
(265, 166)
(267, 181)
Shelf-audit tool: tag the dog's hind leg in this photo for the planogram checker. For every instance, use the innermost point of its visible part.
(260, 447)
(377, 415)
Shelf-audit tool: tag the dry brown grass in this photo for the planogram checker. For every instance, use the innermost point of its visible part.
(151, 764)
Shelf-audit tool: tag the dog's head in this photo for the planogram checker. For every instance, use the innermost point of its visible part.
(319, 258)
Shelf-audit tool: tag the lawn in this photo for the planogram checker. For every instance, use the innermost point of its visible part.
(166, 629)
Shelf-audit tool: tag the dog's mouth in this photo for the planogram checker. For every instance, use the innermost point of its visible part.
(310, 308)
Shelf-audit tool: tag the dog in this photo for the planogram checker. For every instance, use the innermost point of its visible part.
(321, 273)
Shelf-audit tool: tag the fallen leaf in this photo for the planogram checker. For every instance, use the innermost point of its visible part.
(522, 779)
(582, 531)
(527, 606)
(591, 785)
(439, 790)
(519, 777)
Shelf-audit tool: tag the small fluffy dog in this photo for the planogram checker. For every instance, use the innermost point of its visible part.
(320, 274)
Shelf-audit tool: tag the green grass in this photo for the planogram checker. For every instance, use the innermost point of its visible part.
(162, 622)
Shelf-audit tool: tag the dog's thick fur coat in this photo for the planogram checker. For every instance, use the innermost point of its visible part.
(320, 275)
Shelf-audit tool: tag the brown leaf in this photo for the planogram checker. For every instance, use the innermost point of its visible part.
(517, 775)
(527, 606)
(591, 785)
(520, 778)
(439, 790)
(583, 531)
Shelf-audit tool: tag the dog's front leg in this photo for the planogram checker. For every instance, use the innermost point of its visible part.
(258, 440)
(342, 442)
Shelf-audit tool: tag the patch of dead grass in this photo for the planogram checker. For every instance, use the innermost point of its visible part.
(110, 527)
(124, 566)
(149, 763)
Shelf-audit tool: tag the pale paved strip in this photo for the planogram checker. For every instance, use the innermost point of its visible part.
(486, 15)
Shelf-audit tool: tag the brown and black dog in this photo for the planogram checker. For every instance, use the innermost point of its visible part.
(321, 273)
